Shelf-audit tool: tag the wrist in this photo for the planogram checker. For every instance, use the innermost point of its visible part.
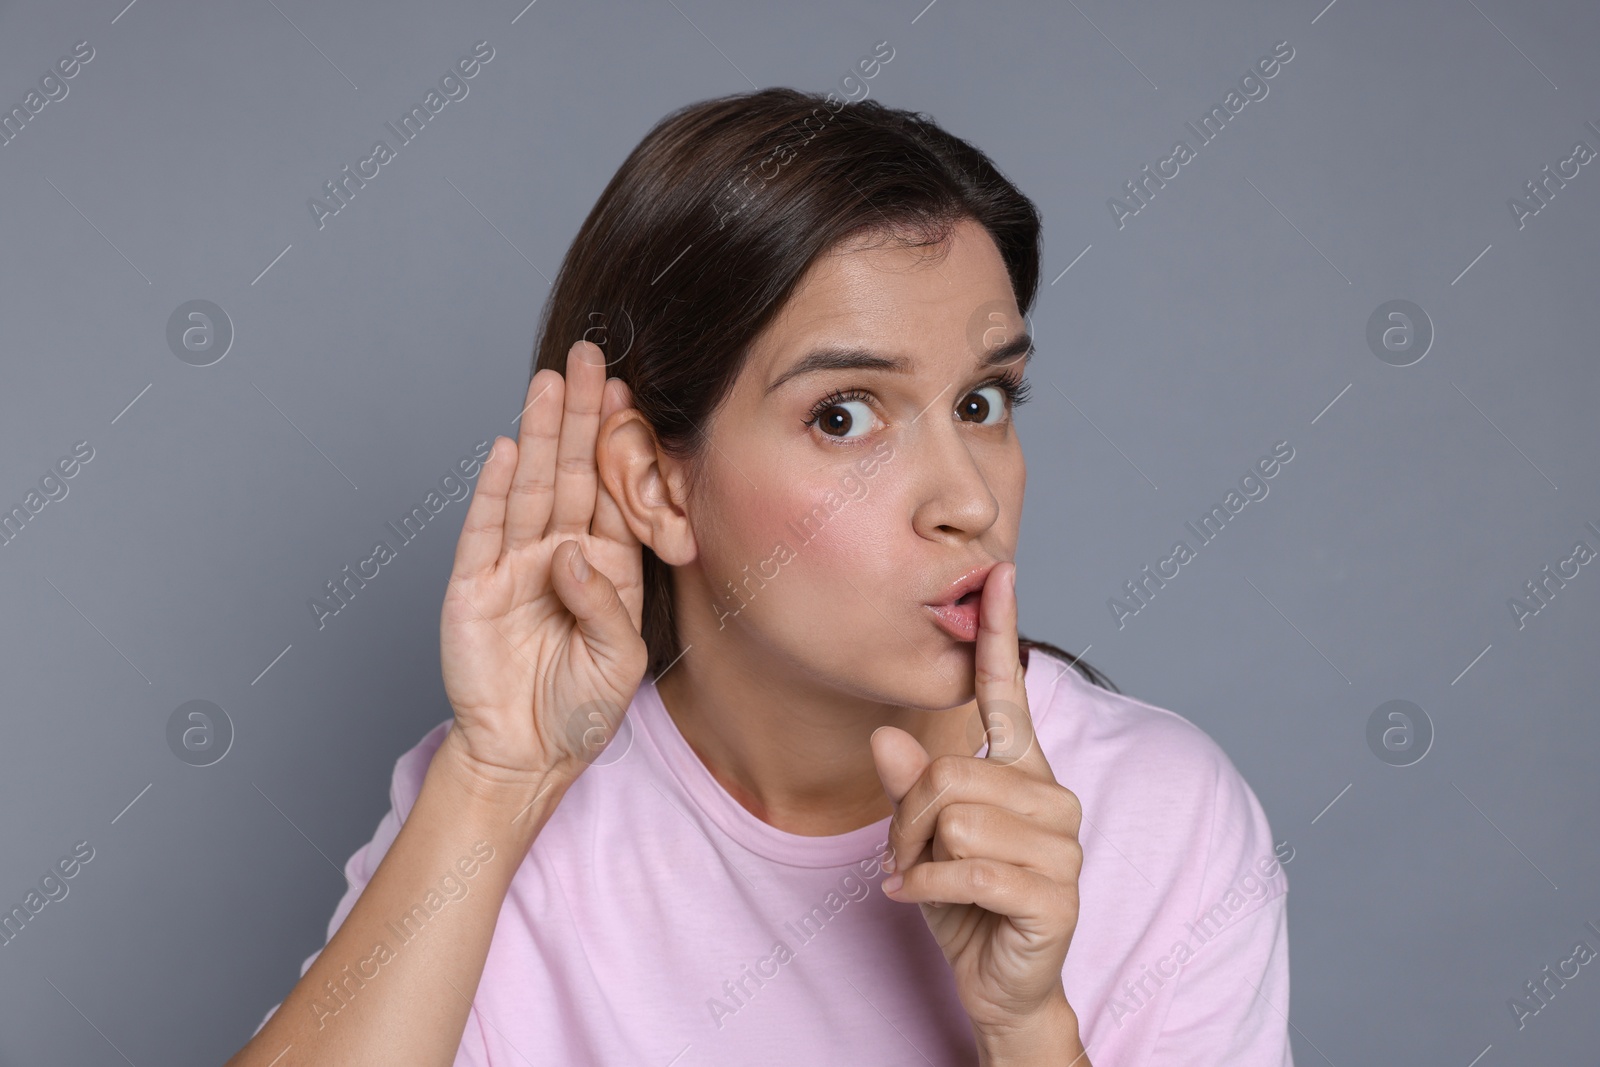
(500, 800)
(1048, 1038)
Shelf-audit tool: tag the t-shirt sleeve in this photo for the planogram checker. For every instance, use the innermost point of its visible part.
(1232, 1001)
(1231, 1004)
(404, 787)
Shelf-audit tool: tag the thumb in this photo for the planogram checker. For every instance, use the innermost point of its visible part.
(900, 760)
(602, 617)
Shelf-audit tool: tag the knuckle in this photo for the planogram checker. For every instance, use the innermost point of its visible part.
(961, 826)
(985, 874)
(894, 839)
(531, 485)
(1067, 902)
(1071, 856)
(946, 772)
(1071, 806)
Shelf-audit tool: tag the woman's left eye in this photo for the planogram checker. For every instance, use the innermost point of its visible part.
(988, 404)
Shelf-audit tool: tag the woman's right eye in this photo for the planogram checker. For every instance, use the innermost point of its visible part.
(837, 416)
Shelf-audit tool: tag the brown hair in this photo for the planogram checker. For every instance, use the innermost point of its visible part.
(705, 229)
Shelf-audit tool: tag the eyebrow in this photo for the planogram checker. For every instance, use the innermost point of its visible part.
(845, 357)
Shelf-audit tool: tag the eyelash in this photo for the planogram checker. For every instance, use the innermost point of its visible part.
(1017, 391)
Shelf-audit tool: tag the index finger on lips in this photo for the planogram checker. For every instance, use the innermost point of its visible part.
(999, 679)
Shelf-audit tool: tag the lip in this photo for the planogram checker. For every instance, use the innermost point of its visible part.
(963, 585)
(960, 621)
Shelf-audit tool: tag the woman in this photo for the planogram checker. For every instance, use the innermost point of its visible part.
(732, 631)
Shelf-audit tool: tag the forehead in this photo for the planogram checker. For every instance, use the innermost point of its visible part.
(877, 293)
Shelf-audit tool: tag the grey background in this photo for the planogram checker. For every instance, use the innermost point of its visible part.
(1229, 314)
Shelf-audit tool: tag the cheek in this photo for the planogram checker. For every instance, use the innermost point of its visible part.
(827, 526)
(794, 539)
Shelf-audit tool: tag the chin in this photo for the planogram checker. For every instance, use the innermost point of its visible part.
(946, 679)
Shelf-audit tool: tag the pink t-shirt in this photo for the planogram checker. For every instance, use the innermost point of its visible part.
(657, 921)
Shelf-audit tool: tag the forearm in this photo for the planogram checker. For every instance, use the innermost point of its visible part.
(1051, 1040)
(396, 981)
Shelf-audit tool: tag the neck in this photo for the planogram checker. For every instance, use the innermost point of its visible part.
(792, 750)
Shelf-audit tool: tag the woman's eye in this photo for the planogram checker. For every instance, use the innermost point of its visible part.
(981, 408)
(840, 417)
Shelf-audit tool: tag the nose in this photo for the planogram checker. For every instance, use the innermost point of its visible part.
(955, 501)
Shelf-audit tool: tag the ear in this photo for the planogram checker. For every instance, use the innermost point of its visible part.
(648, 486)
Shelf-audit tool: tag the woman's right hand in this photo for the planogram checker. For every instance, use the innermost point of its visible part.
(539, 664)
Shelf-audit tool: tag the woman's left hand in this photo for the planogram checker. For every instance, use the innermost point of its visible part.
(989, 849)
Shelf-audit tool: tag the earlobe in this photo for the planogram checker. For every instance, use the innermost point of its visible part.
(637, 475)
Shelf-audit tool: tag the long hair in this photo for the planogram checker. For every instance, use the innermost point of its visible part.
(705, 229)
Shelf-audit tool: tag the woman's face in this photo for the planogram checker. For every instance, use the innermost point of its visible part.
(837, 502)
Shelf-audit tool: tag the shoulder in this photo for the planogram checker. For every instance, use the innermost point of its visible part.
(1158, 786)
(1183, 896)
(1151, 746)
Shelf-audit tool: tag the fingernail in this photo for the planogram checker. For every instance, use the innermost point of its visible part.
(893, 882)
(580, 566)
